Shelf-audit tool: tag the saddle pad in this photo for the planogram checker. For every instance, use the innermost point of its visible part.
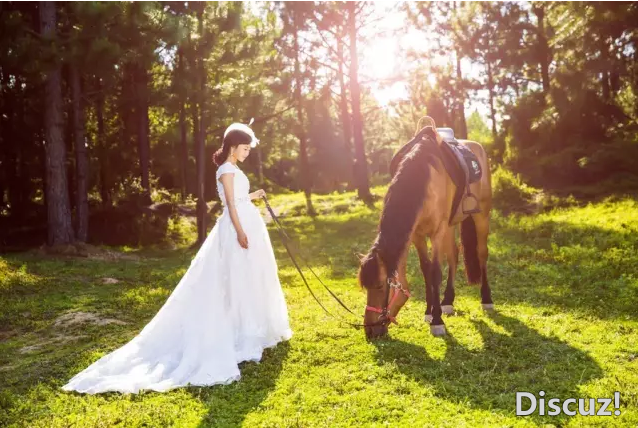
(471, 162)
(456, 173)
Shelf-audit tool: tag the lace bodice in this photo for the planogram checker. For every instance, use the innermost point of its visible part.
(240, 183)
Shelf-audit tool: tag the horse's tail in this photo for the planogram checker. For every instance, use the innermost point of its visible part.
(469, 239)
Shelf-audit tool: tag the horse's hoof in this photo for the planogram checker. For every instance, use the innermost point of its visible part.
(447, 309)
(488, 306)
(437, 330)
(428, 318)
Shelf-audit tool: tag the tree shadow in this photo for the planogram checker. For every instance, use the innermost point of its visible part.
(583, 268)
(517, 359)
(228, 405)
(555, 264)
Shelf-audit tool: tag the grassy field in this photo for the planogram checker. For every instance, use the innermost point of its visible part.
(565, 284)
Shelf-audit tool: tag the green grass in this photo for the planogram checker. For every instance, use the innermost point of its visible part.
(565, 284)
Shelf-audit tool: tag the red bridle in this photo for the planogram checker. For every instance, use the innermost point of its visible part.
(384, 313)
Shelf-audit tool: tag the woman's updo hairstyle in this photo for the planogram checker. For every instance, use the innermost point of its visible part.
(232, 139)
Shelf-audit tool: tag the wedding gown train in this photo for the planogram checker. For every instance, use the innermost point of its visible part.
(227, 308)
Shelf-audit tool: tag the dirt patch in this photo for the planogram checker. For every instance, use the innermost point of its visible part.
(31, 348)
(65, 321)
(73, 318)
(82, 250)
(58, 339)
(7, 334)
(7, 368)
(110, 281)
(98, 253)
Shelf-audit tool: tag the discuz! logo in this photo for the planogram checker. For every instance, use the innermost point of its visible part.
(527, 404)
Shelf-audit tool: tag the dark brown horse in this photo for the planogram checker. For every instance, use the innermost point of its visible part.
(418, 205)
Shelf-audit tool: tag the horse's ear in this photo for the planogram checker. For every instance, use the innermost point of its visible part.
(369, 271)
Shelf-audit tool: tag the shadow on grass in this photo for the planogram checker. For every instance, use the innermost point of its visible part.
(228, 405)
(582, 268)
(585, 268)
(522, 360)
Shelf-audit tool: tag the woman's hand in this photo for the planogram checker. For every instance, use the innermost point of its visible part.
(242, 239)
(258, 194)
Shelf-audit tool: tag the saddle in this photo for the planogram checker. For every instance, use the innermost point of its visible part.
(460, 162)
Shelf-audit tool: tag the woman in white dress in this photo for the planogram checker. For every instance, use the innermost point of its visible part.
(227, 308)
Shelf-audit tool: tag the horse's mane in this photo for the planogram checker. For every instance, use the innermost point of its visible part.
(402, 204)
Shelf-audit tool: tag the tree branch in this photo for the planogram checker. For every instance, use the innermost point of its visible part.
(256, 120)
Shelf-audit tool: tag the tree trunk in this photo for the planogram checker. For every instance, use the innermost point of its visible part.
(195, 120)
(605, 86)
(304, 170)
(142, 130)
(105, 193)
(10, 149)
(127, 106)
(67, 100)
(4, 143)
(543, 47)
(490, 87)
(182, 124)
(345, 113)
(59, 224)
(81, 159)
(199, 152)
(462, 131)
(260, 167)
(361, 163)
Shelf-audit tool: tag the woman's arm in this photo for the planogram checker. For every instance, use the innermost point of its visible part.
(229, 191)
(257, 194)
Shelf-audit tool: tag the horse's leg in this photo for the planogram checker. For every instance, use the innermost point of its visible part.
(397, 297)
(452, 256)
(421, 245)
(482, 230)
(437, 327)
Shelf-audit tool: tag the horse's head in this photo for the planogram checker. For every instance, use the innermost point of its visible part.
(373, 277)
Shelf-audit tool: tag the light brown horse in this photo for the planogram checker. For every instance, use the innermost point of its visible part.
(418, 205)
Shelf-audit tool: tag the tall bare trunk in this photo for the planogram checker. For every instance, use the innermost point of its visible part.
(81, 159)
(260, 168)
(490, 87)
(11, 149)
(59, 224)
(105, 191)
(200, 152)
(143, 142)
(343, 104)
(182, 124)
(361, 162)
(543, 47)
(304, 170)
(462, 131)
(5, 144)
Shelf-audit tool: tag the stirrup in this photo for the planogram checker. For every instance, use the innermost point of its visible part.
(475, 210)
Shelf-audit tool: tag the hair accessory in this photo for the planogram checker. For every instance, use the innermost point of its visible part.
(245, 129)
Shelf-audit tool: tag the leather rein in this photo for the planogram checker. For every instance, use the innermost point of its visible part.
(384, 315)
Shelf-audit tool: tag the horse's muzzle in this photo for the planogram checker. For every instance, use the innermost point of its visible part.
(376, 331)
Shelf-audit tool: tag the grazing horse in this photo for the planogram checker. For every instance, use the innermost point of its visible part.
(418, 205)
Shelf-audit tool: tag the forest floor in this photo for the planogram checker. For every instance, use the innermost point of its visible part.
(565, 285)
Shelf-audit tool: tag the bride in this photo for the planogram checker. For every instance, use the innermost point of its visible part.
(227, 308)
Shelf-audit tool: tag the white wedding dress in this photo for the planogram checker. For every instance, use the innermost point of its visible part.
(227, 308)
